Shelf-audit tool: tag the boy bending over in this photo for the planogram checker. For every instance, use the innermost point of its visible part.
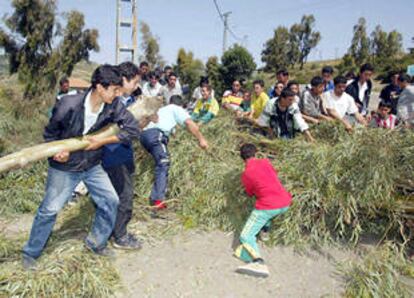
(260, 180)
(155, 138)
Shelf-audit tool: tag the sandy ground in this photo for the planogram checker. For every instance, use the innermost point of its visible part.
(200, 264)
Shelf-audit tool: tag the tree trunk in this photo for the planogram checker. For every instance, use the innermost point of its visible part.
(145, 106)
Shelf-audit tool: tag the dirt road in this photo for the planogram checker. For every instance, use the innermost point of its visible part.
(200, 264)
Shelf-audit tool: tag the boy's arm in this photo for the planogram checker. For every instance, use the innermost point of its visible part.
(129, 127)
(360, 119)
(308, 136)
(247, 184)
(54, 129)
(193, 129)
(98, 143)
(309, 119)
(302, 126)
(334, 114)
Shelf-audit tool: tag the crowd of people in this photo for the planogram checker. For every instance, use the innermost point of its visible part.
(288, 108)
(107, 166)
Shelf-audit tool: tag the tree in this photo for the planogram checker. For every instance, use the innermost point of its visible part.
(379, 40)
(236, 63)
(304, 38)
(293, 55)
(188, 68)
(289, 47)
(395, 47)
(33, 29)
(150, 47)
(360, 45)
(347, 64)
(77, 43)
(276, 50)
(213, 73)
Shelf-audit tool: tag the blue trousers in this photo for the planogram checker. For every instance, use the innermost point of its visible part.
(155, 142)
(248, 249)
(59, 187)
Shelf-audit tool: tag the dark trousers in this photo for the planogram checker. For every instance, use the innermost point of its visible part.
(155, 142)
(122, 179)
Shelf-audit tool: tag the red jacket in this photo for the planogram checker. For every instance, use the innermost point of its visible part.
(260, 179)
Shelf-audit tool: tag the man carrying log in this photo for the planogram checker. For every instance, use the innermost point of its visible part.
(76, 116)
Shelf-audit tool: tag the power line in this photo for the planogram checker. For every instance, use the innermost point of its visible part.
(218, 11)
(224, 20)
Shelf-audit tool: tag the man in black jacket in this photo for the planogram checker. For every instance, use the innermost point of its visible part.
(390, 93)
(76, 116)
(360, 88)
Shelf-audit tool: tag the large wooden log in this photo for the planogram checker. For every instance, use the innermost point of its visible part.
(145, 106)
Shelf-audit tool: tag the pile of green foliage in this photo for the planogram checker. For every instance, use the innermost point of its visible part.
(378, 274)
(68, 271)
(66, 268)
(344, 186)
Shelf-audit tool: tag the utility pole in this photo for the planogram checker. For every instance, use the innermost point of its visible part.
(245, 41)
(226, 28)
(130, 22)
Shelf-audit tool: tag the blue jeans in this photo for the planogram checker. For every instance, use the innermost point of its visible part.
(59, 187)
(155, 142)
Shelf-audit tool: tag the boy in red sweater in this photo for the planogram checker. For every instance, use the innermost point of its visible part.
(260, 180)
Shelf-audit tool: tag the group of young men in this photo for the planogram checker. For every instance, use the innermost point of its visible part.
(107, 166)
(286, 110)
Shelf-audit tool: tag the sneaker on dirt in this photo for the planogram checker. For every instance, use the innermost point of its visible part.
(104, 252)
(127, 242)
(254, 269)
(29, 263)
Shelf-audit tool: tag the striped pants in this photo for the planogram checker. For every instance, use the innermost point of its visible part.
(248, 249)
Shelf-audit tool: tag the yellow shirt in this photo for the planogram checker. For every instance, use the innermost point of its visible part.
(258, 104)
(231, 99)
(211, 105)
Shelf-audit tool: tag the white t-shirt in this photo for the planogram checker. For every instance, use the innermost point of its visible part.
(342, 105)
(149, 90)
(90, 117)
(167, 92)
(197, 93)
(168, 117)
(362, 89)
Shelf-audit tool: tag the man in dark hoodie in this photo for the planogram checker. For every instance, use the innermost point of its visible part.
(390, 93)
(118, 162)
(76, 116)
(360, 88)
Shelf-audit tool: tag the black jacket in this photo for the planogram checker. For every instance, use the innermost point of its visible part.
(67, 121)
(353, 90)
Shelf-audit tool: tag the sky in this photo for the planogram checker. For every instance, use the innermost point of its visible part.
(195, 25)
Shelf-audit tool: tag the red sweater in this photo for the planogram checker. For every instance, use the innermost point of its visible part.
(260, 179)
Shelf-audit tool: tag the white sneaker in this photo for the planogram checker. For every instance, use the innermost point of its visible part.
(254, 269)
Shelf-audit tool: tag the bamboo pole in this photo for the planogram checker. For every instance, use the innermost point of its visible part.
(145, 106)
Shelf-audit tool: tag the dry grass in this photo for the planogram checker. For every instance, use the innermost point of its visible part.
(378, 274)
